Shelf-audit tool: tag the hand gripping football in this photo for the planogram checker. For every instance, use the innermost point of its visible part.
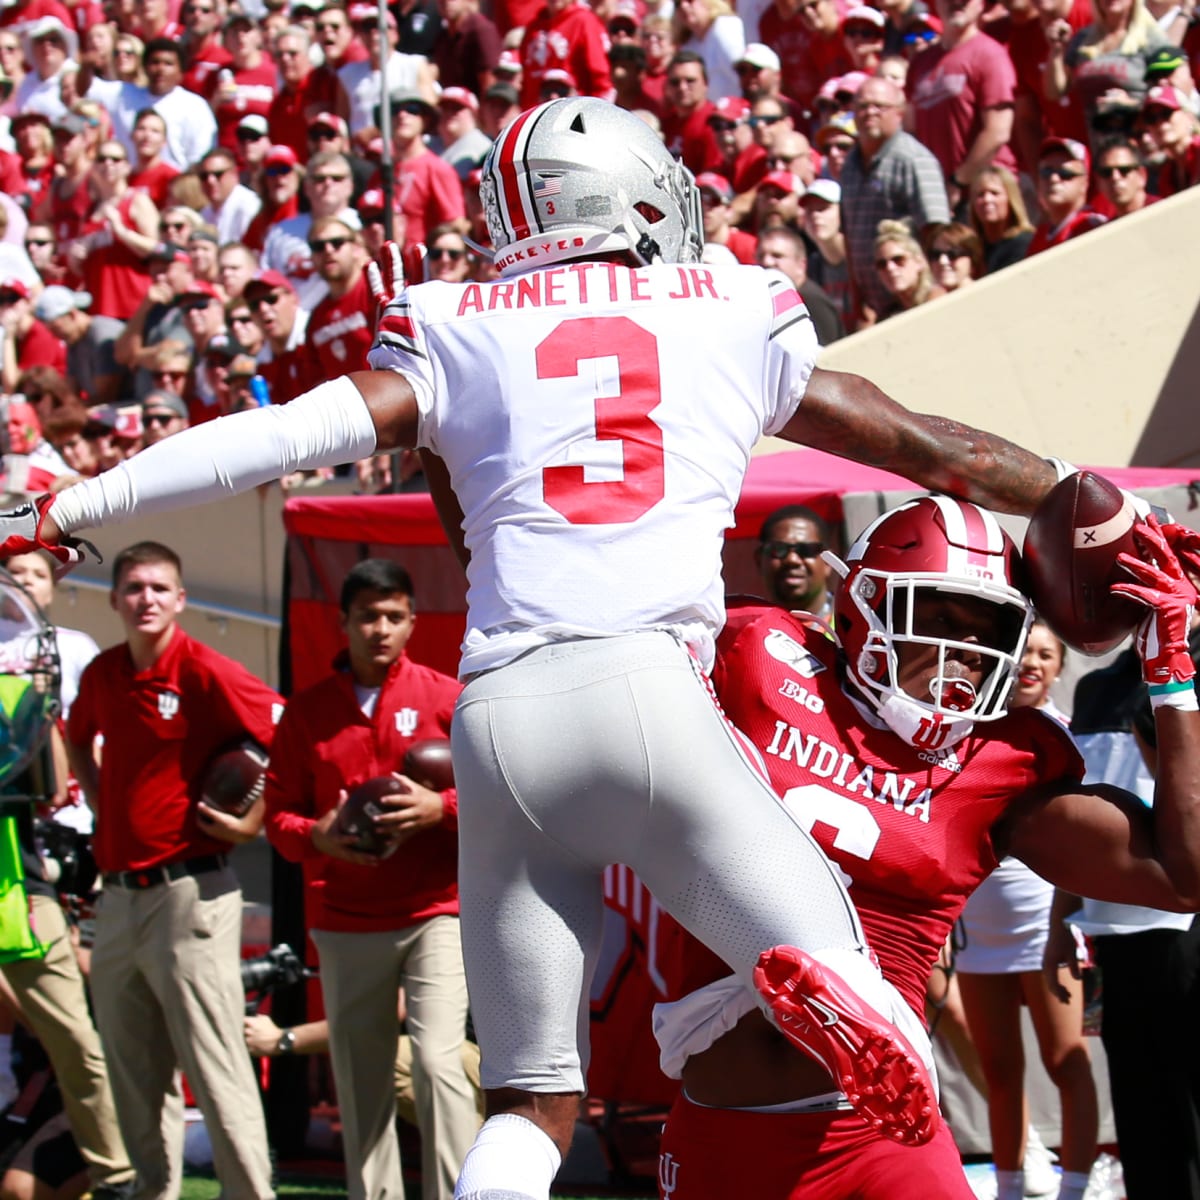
(355, 817)
(234, 778)
(1071, 550)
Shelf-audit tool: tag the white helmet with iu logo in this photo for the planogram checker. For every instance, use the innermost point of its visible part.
(932, 546)
(579, 177)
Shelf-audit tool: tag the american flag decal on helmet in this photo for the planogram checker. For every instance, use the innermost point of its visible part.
(546, 186)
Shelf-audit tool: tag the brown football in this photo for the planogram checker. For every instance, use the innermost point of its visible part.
(1071, 550)
(429, 763)
(234, 778)
(362, 804)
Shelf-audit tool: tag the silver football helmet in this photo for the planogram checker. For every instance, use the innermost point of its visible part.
(577, 177)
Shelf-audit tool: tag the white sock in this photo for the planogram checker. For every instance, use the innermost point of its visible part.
(1010, 1185)
(512, 1159)
(1073, 1185)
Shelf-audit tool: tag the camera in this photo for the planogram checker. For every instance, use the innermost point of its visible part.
(67, 855)
(280, 967)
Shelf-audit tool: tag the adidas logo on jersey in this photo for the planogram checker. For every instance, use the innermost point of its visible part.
(789, 652)
(946, 759)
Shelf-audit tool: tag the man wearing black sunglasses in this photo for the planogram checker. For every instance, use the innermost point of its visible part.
(341, 326)
(1121, 176)
(429, 189)
(794, 575)
(1062, 190)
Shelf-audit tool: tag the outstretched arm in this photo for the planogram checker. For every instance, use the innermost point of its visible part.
(849, 416)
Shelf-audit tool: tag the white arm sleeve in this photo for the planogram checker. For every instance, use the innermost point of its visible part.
(323, 428)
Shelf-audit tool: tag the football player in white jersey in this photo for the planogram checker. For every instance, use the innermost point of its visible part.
(586, 421)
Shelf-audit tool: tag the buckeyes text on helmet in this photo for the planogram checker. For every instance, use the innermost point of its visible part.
(578, 177)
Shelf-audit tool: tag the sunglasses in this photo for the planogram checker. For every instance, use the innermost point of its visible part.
(176, 225)
(755, 122)
(8, 298)
(436, 252)
(213, 174)
(780, 550)
(412, 108)
(723, 126)
(192, 10)
(1121, 169)
(947, 253)
(1157, 116)
(319, 245)
(195, 305)
(152, 419)
(278, 170)
(839, 146)
(241, 319)
(1049, 173)
(250, 135)
(920, 37)
(30, 242)
(271, 299)
(322, 133)
(896, 260)
(868, 32)
(111, 158)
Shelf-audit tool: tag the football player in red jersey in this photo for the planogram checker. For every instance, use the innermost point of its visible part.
(895, 747)
(586, 734)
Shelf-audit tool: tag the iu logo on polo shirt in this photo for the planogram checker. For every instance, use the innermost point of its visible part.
(168, 705)
(406, 721)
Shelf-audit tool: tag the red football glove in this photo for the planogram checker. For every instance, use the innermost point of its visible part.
(1163, 586)
(21, 533)
(394, 333)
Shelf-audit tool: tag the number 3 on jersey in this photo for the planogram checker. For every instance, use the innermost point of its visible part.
(624, 418)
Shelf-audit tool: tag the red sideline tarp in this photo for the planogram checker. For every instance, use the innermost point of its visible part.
(328, 535)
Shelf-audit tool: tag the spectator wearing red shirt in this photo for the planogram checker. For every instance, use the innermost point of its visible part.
(35, 149)
(281, 195)
(27, 342)
(67, 202)
(295, 103)
(686, 109)
(565, 35)
(808, 39)
(658, 41)
(716, 195)
(202, 44)
(1062, 190)
(428, 189)
(741, 160)
(151, 173)
(627, 63)
(342, 325)
(29, 12)
(381, 923)
(466, 51)
(153, 20)
(166, 975)
(247, 85)
(1171, 126)
(284, 358)
(962, 91)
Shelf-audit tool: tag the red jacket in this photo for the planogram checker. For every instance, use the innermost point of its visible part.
(325, 744)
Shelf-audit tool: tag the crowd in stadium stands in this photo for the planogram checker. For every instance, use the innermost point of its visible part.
(192, 188)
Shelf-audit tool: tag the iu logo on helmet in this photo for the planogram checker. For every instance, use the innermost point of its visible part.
(668, 1175)
(931, 733)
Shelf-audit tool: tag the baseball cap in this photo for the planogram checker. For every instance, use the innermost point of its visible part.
(331, 121)
(504, 92)
(625, 13)
(10, 285)
(238, 18)
(759, 55)
(399, 98)
(255, 122)
(168, 252)
(558, 75)
(1163, 95)
(839, 125)
(712, 182)
(460, 97)
(200, 289)
(158, 401)
(265, 281)
(828, 190)
(730, 108)
(1069, 146)
(73, 123)
(28, 118)
(221, 345)
(281, 156)
(56, 301)
(785, 181)
(509, 63)
(361, 14)
(1163, 62)
(864, 14)
(50, 26)
(312, 6)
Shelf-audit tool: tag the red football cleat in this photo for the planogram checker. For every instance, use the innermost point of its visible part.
(868, 1057)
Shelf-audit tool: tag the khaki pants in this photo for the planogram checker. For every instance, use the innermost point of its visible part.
(361, 975)
(53, 1000)
(167, 982)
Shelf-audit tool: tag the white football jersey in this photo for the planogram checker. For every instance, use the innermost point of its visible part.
(597, 421)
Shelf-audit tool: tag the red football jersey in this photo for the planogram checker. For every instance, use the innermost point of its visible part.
(161, 727)
(910, 829)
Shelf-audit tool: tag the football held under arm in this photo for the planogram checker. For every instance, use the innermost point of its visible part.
(337, 422)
